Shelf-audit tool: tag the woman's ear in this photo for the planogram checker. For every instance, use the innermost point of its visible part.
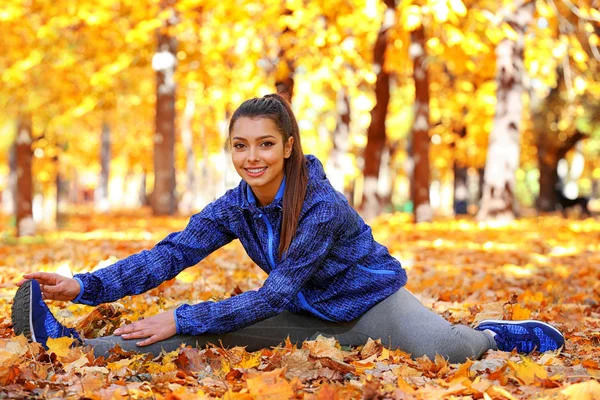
(287, 149)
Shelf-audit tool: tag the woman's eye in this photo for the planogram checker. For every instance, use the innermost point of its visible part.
(267, 144)
(238, 145)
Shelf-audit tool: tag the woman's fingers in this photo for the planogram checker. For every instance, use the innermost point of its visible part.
(137, 334)
(44, 278)
(150, 340)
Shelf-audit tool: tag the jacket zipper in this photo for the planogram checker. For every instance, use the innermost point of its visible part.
(301, 297)
(270, 232)
(377, 271)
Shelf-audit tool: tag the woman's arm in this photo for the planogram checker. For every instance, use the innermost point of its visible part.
(317, 233)
(206, 232)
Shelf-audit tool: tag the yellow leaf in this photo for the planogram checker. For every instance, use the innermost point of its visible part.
(404, 386)
(411, 18)
(509, 32)
(440, 13)
(458, 7)
(528, 370)
(519, 313)
(250, 361)
(385, 354)
(502, 392)
(589, 390)
(60, 346)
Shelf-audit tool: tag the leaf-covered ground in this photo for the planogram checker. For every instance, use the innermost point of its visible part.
(544, 268)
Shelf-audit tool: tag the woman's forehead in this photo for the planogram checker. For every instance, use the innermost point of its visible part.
(254, 128)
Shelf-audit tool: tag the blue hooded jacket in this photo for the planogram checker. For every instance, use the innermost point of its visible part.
(333, 268)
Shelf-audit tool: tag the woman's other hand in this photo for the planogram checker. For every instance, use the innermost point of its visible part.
(154, 329)
(54, 286)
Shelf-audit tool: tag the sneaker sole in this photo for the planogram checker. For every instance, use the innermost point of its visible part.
(21, 312)
(502, 321)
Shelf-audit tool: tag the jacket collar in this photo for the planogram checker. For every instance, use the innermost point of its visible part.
(278, 201)
(245, 199)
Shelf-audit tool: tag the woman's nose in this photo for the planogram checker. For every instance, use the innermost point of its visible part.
(254, 156)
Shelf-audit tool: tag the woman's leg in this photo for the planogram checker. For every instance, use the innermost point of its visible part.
(400, 321)
(419, 331)
(264, 334)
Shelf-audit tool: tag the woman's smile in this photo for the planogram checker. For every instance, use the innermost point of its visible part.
(255, 172)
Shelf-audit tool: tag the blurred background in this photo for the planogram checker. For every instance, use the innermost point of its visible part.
(434, 108)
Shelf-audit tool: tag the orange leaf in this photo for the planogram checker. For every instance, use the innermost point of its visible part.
(269, 385)
(519, 313)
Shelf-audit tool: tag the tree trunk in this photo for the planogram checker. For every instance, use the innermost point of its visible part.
(376, 134)
(546, 113)
(461, 190)
(163, 62)
(498, 201)
(102, 202)
(24, 192)
(420, 131)
(335, 164)
(9, 195)
(284, 74)
(190, 195)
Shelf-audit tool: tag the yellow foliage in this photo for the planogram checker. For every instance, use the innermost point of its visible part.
(60, 346)
(528, 371)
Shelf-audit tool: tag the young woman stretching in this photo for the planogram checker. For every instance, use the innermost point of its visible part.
(326, 273)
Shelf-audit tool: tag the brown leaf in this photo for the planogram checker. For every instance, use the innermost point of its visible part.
(324, 347)
(297, 364)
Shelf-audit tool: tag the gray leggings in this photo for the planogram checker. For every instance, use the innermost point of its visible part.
(400, 321)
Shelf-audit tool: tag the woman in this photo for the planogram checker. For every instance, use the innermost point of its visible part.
(326, 273)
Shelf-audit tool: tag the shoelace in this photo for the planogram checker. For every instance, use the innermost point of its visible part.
(523, 342)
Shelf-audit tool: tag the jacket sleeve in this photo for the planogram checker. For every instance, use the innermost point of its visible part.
(206, 232)
(317, 232)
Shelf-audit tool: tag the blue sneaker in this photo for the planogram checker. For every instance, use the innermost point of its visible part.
(525, 336)
(32, 317)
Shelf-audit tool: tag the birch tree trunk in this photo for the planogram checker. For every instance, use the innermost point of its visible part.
(498, 201)
(340, 137)
(164, 62)
(24, 192)
(102, 202)
(376, 133)
(420, 132)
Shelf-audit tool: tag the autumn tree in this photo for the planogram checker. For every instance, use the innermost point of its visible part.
(420, 131)
(502, 161)
(163, 62)
(24, 187)
(376, 133)
(564, 107)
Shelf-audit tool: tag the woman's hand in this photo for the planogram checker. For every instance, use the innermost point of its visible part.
(54, 286)
(156, 328)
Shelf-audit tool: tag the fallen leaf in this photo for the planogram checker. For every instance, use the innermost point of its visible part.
(519, 313)
(589, 390)
(324, 347)
(528, 370)
(490, 311)
(60, 346)
(269, 385)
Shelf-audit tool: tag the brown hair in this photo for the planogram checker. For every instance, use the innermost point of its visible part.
(277, 109)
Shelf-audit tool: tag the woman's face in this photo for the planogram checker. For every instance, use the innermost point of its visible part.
(258, 154)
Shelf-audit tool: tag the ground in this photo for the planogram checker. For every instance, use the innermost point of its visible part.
(545, 268)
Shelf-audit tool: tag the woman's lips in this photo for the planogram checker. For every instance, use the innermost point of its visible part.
(255, 172)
